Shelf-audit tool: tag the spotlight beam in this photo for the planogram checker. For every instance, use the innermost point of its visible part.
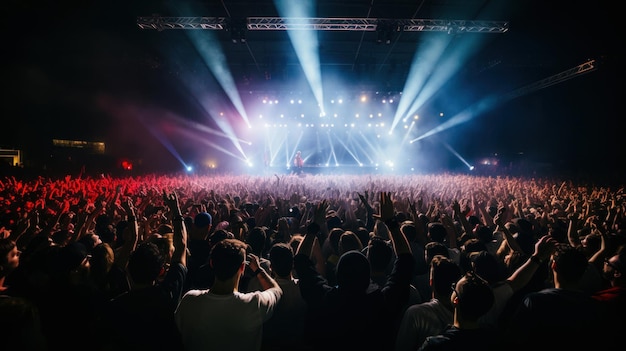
(457, 155)
(210, 50)
(305, 44)
(490, 102)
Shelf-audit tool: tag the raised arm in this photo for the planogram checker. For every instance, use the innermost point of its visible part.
(180, 231)
(387, 216)
(266, 280)
(508, 237)
(130, 235)
(306, 245)
(544, 247)
(460, 216)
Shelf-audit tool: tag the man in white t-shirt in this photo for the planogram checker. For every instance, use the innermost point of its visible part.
(222, 318)
(431, 317)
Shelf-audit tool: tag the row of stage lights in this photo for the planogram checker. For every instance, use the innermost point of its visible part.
(352, 125)
(322, 125)
(338, 101)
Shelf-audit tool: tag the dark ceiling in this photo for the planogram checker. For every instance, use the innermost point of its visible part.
(541, 40)
(544, 37)
(62, 57)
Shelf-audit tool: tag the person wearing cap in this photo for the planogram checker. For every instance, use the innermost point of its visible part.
(202, 223)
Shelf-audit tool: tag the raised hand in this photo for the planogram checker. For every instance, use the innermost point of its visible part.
(545, 247)
(386, 207)
(364, 200)
(456, 207)
(412, 207)
(319, 212)
(171, 201)
(128, 207)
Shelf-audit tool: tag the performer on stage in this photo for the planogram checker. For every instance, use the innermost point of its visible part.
(298, 163)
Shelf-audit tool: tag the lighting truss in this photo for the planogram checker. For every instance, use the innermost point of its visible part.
(338, 24)
(161, 23)
(331, 24)
(458, 26)
(583, 68)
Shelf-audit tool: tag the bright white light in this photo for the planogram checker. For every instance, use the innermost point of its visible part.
(189, 168)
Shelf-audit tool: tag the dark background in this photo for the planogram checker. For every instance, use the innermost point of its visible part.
(84, 70)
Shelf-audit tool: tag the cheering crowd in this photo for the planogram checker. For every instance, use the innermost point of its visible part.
(310, 262)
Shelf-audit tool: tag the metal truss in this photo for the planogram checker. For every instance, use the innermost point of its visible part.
(454, 26)
(339, 24)
(161, 23)
(583, 68)
(331, 24)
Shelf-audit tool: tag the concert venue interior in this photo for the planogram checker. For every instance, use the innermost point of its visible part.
(355, 85)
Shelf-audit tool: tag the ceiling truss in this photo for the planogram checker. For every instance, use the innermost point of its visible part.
(159, 23)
